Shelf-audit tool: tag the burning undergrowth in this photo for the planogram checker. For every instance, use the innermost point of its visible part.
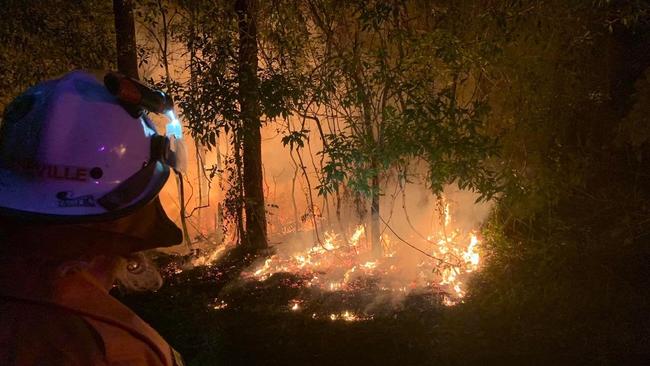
(339, 278)
(331, 302)
(291, 294)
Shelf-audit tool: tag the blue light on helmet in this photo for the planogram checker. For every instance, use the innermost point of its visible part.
(174, 127)
(174, 132)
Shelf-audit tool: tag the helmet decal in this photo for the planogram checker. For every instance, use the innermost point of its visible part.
(67, 199)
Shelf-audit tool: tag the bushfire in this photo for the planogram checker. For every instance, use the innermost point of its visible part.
(440, 264)
(338, 264)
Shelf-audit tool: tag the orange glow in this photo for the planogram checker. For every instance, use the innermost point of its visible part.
(340, 265)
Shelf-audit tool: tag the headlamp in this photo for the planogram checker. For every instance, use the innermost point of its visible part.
(174, 133)
(136, 93)
(137, 96)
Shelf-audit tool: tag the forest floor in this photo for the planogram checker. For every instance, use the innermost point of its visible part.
(214, 317)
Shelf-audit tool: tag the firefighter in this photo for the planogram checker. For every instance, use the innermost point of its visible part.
(80, 174)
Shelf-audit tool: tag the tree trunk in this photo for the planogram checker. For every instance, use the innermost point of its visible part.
(250, 115)
(242, 235)
(374, 218)
(372, 134)
(127, 57)
(296, 216)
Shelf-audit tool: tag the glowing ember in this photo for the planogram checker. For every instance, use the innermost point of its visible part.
(347, 316)
(219, 304)
(295, 305)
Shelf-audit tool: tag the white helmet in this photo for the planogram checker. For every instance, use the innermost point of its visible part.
(70, 152)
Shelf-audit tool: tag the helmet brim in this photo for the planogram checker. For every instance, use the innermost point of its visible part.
(45, 204)
(146, 228)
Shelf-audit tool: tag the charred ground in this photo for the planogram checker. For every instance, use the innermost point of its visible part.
(257, 326)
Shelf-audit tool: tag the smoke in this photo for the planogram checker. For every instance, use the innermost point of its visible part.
(430, 243)
(331, 245)
(327, 240)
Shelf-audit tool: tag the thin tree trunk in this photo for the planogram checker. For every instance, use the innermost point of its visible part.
(242, 234)
(342, 227)
(250, 115)
(199, 179)
(296, 216)
(375, 236)
(127, 57)
(374, 218)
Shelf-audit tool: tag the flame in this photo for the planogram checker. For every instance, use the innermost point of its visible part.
(209, 258)
(330, 238)
(471, 256)
(349, 317)
(447, 214)
(359, 231)
(447, 301)
(337, 264)
(335, 286)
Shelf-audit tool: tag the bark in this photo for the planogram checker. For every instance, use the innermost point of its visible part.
(374, 218)
(373, 134)
(250, 115)
(200, 180)
(241, 231)
(296, 216)
(127, 57)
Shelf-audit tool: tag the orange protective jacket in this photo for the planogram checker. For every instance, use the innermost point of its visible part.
(74, 322)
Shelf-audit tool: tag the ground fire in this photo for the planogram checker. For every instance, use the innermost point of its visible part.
(442, 266)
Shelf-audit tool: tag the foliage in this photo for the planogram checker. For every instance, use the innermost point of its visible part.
(389, 81)
(565, 281)
(207, 91)
(43, 39)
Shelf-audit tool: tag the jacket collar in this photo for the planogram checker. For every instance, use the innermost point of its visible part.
(79, 292)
